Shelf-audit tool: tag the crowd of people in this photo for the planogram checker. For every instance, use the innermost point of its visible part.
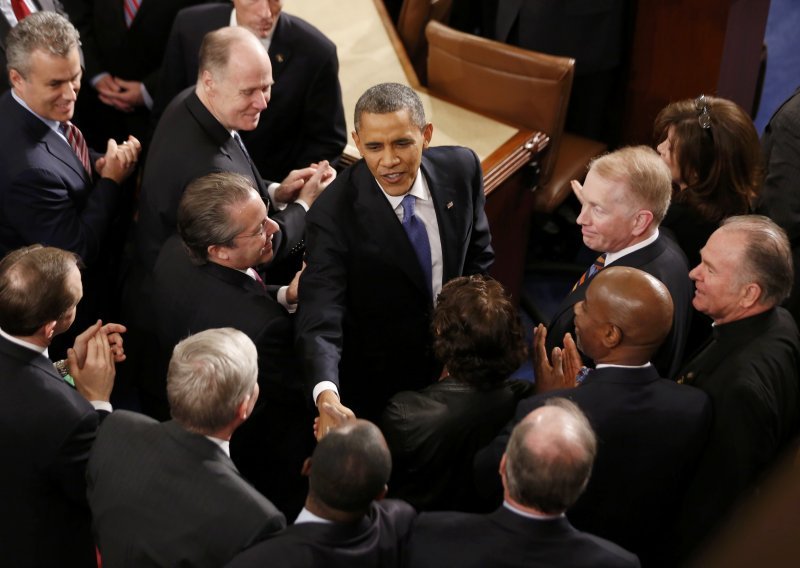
(320, 364)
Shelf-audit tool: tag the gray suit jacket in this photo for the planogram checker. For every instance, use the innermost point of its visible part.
(163, 496)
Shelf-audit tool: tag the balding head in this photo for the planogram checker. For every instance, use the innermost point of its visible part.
(549, 458)
(624, 318)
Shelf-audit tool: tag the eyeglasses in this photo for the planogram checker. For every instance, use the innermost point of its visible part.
(703, 107)
(259, 233)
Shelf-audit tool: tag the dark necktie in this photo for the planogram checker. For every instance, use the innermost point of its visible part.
(418, 236)
(78, 144)
(596, 267)
(21, 10)
(130, 8)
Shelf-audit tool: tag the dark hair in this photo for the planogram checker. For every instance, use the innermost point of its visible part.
(477, 332)
(390, 97)
(721, 164)
(548, 463)
(350, 467)
(33, 288)
(204, 213)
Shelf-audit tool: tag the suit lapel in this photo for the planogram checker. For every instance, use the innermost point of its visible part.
(444, 199)
(279, 50)
(59, 149)
(381, 223)
(29, 357)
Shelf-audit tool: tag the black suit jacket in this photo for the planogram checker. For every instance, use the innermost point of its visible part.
(46, 196)
(374, 541)
(46, 431)
(163, 496)
(304, 121)
(664, 260)
(364, 305)
(190, 143)
(650, 432)
(504, 538)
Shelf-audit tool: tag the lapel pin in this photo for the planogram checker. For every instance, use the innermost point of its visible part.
(279, 57)
(449, 205)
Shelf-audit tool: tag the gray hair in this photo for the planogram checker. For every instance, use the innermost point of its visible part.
(204, 213)
(209, 376)
(390, 97)
(767, 258)
(644, 173)
(548, 463)
(46, 31)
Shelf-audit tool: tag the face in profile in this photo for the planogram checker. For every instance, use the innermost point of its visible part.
(252, 246)
(607, 219)
(718, 289)
(392, 145)
(50, 87)
(668, 150)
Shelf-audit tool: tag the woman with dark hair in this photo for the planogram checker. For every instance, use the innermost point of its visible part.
(712, 149)
(434, 433)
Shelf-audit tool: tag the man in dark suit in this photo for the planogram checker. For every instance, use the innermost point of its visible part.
(651, 430)
(9, 18)
(345, 523)
(198, 134)
(750, 367)
(304, 122)
(47, 425)
(205, 278)
(167, 493)
(367, 293)
(52, 189)
(545, 468)
(624, 198)
(123, 45)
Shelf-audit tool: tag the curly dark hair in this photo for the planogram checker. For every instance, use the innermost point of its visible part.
(477, 332)
(721, 164)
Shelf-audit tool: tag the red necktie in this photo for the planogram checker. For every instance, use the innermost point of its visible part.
(78, 144)
(21, 10)
(131, 7)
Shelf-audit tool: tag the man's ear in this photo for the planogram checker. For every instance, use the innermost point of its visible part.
(218, 252)
(305, 471)
(427, 134)
(612, 336)
(16, 79)
(642, 221)
(49, 329)
(382, 493)
(502, 470)
(207, 80)
(751, 294)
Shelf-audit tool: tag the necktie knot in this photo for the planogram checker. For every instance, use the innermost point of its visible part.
(408, 208)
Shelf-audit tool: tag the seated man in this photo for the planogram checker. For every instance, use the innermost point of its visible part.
(167, 493)
(346, 523)
(623, 201)
(205, 278)
(651, 430)
(434, 433)
(304, 122)
(751, 368)
(545, 468)
(47, 423)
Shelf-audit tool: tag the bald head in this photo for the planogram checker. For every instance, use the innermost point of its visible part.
(624, 318)
(549, 457)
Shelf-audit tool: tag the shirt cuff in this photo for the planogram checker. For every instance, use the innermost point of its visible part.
(291, 308)
(271, 189)
(302, 204)
(323, 386)
(96, 78)
(102, 405)
(148, 100)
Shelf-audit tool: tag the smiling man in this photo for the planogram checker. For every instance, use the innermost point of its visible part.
(382, 241)
(749, 368)
(624, 198)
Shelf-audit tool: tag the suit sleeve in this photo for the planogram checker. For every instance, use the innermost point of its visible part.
(68, 470)
(292, 223)
(480, 254)
(322, 299)
(39, 206)
(324, 127)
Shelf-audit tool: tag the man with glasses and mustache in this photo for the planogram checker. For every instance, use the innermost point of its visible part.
(207, 277)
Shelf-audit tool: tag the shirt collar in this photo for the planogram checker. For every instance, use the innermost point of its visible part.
(419, 189)
(307, 516)
(224, 445)
(25, 344)
(604, 365)
(612, 256)
(528, 515)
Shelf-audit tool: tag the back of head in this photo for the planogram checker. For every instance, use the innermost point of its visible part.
(390, 97)
(33, 288)
(350, 467)
(216, 49)
(209, 376)
(638, 303)
(719, 157)
(204, 213)
(45, 31)
(549, 457)
(767, 258)
(477, 332)
(647, 178)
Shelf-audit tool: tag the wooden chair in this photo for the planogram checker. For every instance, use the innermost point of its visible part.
(414, 16)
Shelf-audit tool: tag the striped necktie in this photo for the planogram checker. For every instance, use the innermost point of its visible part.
(78, 144)
(596, 267)
(21, 9)
(130, 8)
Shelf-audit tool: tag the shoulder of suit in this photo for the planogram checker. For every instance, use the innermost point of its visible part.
(203, 13)
(305, 36)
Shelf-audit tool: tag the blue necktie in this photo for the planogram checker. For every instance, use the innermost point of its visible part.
(418, 236)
